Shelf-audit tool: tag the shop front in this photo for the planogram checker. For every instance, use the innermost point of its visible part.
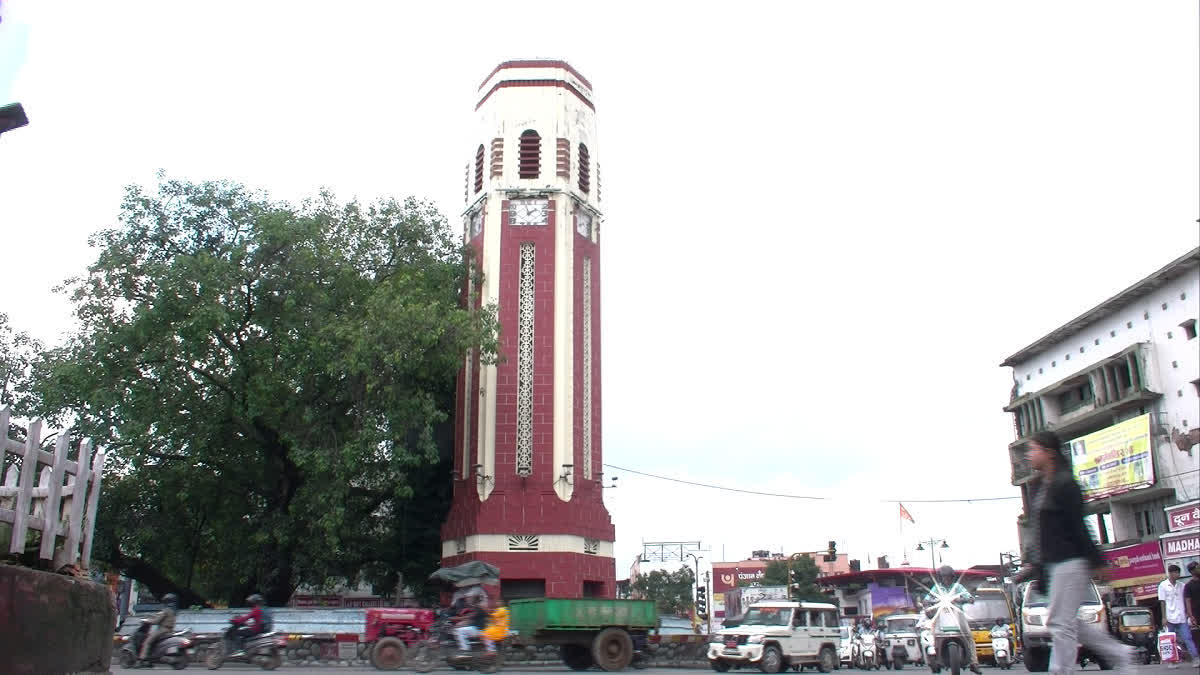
(1135, 571)
(1181, 543)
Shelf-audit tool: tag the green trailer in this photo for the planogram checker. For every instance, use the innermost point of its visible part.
(590, 631)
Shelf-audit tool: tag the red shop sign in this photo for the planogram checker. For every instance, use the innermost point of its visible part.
(1183, 517)
(1182, 546)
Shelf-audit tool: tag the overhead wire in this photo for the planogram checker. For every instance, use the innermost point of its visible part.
(726, 488)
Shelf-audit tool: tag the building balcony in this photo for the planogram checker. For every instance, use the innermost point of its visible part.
(1086, 401)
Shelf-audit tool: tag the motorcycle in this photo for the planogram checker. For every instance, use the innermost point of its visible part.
(264, 650)
(171, 649)
(1002, 647)
(441, 647)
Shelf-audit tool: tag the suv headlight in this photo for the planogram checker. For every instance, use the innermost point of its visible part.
(1033, 619)
(1089, 616)
(755, 639)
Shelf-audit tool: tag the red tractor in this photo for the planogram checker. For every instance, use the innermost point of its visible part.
(390, 632)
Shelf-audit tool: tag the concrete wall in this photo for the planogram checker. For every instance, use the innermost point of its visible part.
(50, 623)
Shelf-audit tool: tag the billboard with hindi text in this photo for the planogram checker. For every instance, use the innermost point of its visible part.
(1115, 459)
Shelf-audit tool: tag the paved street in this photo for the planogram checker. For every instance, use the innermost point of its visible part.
(1156, 669)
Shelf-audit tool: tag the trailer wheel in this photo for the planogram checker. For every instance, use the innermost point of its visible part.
(388, 653)
(577, 657)
(612, 649)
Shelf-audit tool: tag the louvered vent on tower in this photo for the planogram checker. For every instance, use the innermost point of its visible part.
(585, 169)
(479, 169)
(530, 154)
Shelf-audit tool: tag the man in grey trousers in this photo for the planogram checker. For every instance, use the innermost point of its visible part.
(1062, 558)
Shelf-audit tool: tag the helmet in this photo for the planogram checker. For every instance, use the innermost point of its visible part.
(255, 599)
(171, 600)
(945, 573)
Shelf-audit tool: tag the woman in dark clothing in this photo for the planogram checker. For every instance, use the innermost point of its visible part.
(1062, 557)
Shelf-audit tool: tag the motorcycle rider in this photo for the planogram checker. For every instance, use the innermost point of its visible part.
(946, 587)
(251, 623)
(473, 626)
(160, 624)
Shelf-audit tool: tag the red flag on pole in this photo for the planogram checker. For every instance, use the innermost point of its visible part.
(906, 515)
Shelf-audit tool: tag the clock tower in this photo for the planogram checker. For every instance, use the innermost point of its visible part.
(527, 454)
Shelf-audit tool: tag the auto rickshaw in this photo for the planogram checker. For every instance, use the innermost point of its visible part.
(1135, 626)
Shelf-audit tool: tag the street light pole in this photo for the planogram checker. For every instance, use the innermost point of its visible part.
(932, 543)
(696, 581)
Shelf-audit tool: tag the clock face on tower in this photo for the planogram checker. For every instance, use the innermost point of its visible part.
(528, 211)
(583, 222)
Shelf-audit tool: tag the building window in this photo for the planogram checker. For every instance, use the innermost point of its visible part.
(525, 304)
(1076, 397)
(585, 169)
(1121, 373)
(1189, 328)
(530, 154)
(1150, 517)
(479, 168)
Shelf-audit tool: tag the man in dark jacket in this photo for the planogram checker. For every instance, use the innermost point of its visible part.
(1062, 558)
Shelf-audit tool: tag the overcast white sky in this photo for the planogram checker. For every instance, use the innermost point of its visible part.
(826, 222)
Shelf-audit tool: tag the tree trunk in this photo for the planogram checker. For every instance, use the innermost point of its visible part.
(158, 583)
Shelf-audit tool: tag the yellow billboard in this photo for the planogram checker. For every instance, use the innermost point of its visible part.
(1115, 459)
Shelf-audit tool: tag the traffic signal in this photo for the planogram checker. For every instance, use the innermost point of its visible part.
(831, 556)
(701, 601)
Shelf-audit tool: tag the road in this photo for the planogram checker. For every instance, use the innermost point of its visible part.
(1156, 669)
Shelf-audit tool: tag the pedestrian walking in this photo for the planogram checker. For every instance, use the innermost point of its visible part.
(1191, 600)
(1170, 597)
(1062, 558)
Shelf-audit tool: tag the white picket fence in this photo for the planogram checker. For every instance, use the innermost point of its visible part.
(60, 505)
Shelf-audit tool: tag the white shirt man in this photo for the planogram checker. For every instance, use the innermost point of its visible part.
(1170, 595)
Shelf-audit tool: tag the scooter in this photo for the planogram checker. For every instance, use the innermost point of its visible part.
(1002, 647)
(929, 649)
(264, 650)
(951, 646)
(171, 649)
(867, 654)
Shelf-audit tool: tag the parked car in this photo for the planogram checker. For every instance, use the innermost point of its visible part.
(1035, 636)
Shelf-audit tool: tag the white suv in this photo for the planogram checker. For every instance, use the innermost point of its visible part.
(1035, 635)
(776, 635)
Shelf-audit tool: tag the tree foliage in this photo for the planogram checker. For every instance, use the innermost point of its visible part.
(799, 575)
(671, 591)
(272, 381)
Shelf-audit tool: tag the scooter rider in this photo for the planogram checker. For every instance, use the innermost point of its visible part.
(160, 624)
(1001, 629)
(946, 587)
(251, 623)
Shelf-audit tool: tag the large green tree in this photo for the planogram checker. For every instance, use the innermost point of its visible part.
(671, 591)
(273, 381)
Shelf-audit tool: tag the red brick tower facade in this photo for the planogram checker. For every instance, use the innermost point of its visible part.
(527, 458)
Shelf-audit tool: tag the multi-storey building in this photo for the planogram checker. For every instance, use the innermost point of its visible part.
(1120, 386)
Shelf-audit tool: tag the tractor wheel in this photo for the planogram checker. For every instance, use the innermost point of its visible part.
(612, 649)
